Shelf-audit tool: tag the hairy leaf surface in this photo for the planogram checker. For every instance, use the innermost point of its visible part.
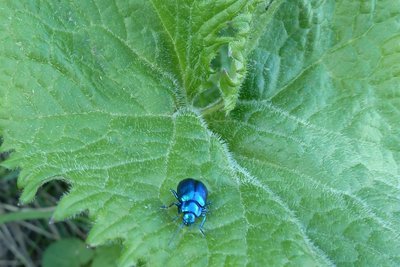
(318, 124)
(123, 99)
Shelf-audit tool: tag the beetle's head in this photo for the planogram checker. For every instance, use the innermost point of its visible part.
(188, 218)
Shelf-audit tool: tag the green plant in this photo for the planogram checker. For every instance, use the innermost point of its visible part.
(123, 99)
(72, 252)
(25, 231)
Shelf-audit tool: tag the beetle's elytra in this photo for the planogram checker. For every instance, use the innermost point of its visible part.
(192, 201)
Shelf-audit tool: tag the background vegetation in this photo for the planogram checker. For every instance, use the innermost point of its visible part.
(25, 232)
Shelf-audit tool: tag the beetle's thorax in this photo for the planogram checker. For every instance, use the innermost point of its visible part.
(191, 206)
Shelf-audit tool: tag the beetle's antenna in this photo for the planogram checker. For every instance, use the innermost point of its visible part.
(176, 232)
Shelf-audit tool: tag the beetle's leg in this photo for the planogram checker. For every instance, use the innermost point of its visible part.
(204, 211)
(170, 205)
(206, 207)
(173, 203)
(174, 193)
(201, 225)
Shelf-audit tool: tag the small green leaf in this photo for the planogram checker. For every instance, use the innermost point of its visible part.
(68, 252)
(106, 256)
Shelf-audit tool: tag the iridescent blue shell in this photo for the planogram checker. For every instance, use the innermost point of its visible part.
(192, 201)
(191, 189)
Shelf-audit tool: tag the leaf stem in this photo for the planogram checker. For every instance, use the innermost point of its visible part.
(213, 107)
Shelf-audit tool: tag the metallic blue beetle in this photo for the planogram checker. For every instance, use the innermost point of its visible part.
(192, 201)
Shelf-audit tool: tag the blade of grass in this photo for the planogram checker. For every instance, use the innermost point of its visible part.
(13, 247)
(37, 229)
(27, 214)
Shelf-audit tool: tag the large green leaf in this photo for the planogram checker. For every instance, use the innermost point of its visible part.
(110, 96)
(318, 125)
